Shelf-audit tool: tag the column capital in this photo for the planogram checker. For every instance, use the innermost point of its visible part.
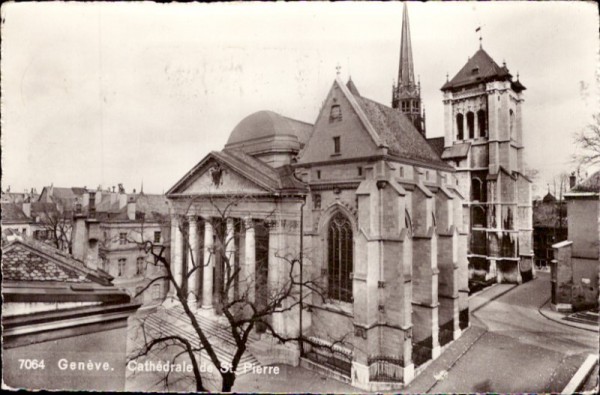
(248, 222)
(192, 218)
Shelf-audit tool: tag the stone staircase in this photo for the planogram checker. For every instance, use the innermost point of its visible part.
(584, 317)
(173, 320)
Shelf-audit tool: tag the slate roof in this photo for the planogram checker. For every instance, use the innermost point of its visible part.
(12, 212)
(148, 207)
(457, 151)
(43, 208)
(591, 184)
(24, 263)
(481, 68)
(398, 132)
(352, 88)
(437, 143)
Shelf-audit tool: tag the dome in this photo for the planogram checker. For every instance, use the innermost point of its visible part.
(266, 127)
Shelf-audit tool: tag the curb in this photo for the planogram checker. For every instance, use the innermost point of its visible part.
(493, 298)
(563, 322)
(581, 375)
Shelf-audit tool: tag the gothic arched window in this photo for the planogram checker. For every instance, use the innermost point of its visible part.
(476, 189)
(340, 258)
(481, 121)
(459, 126)
(408, 222)
(471, 124)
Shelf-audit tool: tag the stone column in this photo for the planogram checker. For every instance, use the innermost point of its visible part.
(177, 244)
(249, 277)
(173, 245)
(193, 260)
(230, 253)
(209, 263)
(273, 275)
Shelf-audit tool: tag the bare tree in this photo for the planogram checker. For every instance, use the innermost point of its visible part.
(588, 141)
(58, 226)
(234, 300)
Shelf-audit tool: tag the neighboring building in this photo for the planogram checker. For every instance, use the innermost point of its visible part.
(382, 228)
(19, 197)
(15, 220)
(56, 310)
(483, 140)
(577, 260)
(112, 226)
(65, 198)
(549, 227)
(41, 220)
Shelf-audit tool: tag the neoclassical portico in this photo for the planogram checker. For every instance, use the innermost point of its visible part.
(228, 219)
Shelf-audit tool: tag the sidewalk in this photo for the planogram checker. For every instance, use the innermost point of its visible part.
(439, 368)
(483, 297)
(546, 311)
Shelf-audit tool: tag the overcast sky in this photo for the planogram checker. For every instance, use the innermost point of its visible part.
(107, 93)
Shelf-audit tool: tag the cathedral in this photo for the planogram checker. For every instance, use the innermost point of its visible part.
(388, 225)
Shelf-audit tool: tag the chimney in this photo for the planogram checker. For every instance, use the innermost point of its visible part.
(92, 204)
(86, 199)
(27, 208)
(122, 200)
(131, 208)
(572, 180)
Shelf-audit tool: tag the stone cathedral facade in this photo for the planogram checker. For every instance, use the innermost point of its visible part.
(382, 214)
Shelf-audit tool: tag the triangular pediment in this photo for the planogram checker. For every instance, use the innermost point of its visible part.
(214, 176)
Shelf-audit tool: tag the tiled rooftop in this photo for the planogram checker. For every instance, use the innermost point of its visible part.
(21, 264)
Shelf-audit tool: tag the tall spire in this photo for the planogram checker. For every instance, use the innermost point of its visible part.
(406, 95)
(406, 73)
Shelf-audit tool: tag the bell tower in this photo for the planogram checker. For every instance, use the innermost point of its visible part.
(406, 95)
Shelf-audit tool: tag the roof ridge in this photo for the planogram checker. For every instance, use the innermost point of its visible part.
(361, 114)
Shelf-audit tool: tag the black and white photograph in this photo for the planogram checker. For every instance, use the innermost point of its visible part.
(300, 197)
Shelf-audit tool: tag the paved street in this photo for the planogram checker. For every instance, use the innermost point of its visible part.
(522, 351)
(510, 347)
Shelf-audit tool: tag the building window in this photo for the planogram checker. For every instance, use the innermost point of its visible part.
(359, 168)
(459, 126)
(140, 266)
(122, 263)
(401, 171)
(478, 216)
(511, 115)
(317, 202)
(340, 251)
(336, 145)
(335, 114)
(408, 222)
(157, 237)
(476, 190)
(471, 124)
(156, 291)
(481, 121)
(319, 174)
(122, 238)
